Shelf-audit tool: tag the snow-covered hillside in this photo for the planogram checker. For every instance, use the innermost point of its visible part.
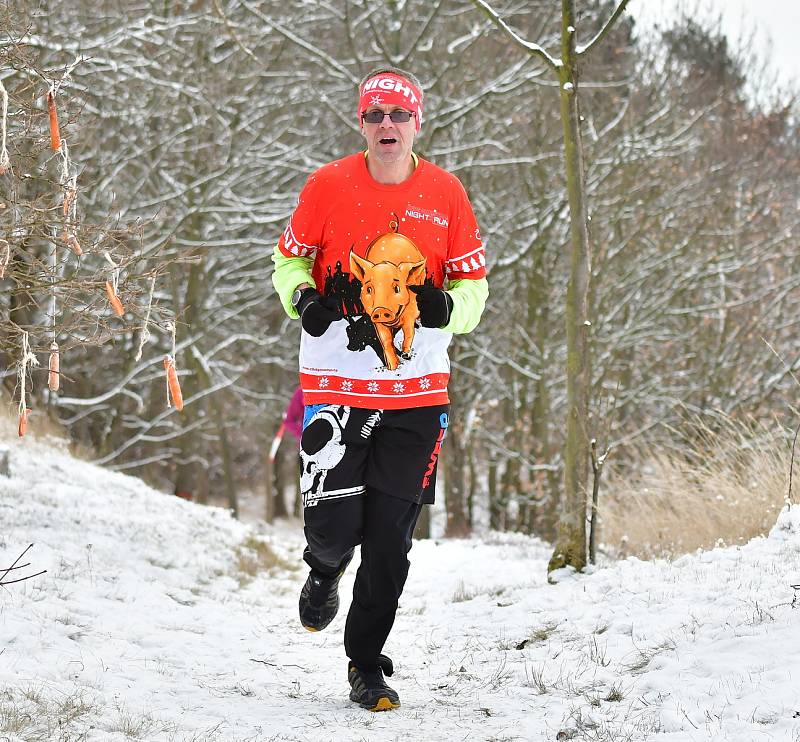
(153, 623)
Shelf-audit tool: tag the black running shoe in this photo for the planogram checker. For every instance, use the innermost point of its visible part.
(368, 688)
(319, 600)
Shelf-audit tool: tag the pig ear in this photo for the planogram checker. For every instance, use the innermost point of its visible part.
(359, 266)
(416, 272)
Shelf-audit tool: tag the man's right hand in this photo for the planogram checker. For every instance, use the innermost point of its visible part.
(317, 312)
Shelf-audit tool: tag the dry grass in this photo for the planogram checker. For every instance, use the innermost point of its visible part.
(140, 726)
(543, 633)
(462, 593)
(254, 556)
(725, 486)
(40, 424)
(30, 715)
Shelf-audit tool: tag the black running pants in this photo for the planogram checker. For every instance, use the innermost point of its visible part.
(383, 525)
(347, 452)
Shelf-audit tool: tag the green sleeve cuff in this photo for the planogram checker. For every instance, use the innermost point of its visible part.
(289, 273)
(469, 298)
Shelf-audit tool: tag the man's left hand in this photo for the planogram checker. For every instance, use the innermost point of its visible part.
(435, 305)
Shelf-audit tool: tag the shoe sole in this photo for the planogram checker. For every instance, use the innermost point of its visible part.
(383, 704)
(314, 629)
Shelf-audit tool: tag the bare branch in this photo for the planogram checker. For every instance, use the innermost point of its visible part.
(233, 33)
(14, 566)
(330, 62)
(528, 46)
(582, 50)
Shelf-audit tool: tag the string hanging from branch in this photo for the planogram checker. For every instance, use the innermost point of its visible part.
(69, 205)
(5, 256)
(55, 134)
(173, 385)
(5, 160)
(144, 335)
(54, 362)
(27, 360)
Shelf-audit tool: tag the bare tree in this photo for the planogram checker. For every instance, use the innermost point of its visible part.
(199, 124)
(570, 547)
(74, 278)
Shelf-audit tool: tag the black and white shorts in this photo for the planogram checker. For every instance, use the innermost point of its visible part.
(346, 450)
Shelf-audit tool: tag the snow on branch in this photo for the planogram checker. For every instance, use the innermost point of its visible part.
(232, 31)
(581, 50)
(529, 46)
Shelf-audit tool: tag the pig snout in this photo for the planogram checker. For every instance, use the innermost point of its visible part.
(381, 315)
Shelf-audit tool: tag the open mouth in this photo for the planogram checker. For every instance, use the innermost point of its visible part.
(388, 140)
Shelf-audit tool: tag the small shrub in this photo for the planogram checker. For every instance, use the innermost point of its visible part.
(254, 556)
(615, 695)
(725, 485)
(544, 632)
(534, 678)
(30, 715)
(462, 594)
(137, 726)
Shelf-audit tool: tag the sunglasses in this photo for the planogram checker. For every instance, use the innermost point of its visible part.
(398, 116)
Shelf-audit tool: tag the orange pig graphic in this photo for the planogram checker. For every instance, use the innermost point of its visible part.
(392, 264)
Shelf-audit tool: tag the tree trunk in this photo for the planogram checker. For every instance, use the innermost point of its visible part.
(189, 441)
(492, 486)
(423, 527)
(227, 461)
(286, 471)
(269, 491)
(454, 461)
(570, 547)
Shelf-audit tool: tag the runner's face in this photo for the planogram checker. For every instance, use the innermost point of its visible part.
(389, 142)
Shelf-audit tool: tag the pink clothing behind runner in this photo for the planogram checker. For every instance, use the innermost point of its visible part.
(293, 417)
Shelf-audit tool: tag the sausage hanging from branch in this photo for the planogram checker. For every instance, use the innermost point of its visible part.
(69, 195)
(173, 385)
(28, 359)
(55, 134)
(72, 242)
(22, 427)
(114, 300)
(112, 285)
(53, 377)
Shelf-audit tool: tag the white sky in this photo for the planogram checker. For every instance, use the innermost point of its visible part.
(776, 24)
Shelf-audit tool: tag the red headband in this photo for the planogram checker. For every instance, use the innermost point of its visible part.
(388, 89)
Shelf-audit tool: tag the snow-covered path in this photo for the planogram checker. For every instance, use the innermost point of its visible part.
(152, 624)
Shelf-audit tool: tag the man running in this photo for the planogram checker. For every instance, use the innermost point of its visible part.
(382, 261)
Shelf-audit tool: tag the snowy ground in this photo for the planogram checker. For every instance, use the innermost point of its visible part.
(148, 625)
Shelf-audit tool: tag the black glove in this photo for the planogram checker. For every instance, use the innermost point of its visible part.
(435, 305)
(317, 312)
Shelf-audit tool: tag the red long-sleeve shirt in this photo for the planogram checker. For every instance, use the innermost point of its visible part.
(342, 209)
